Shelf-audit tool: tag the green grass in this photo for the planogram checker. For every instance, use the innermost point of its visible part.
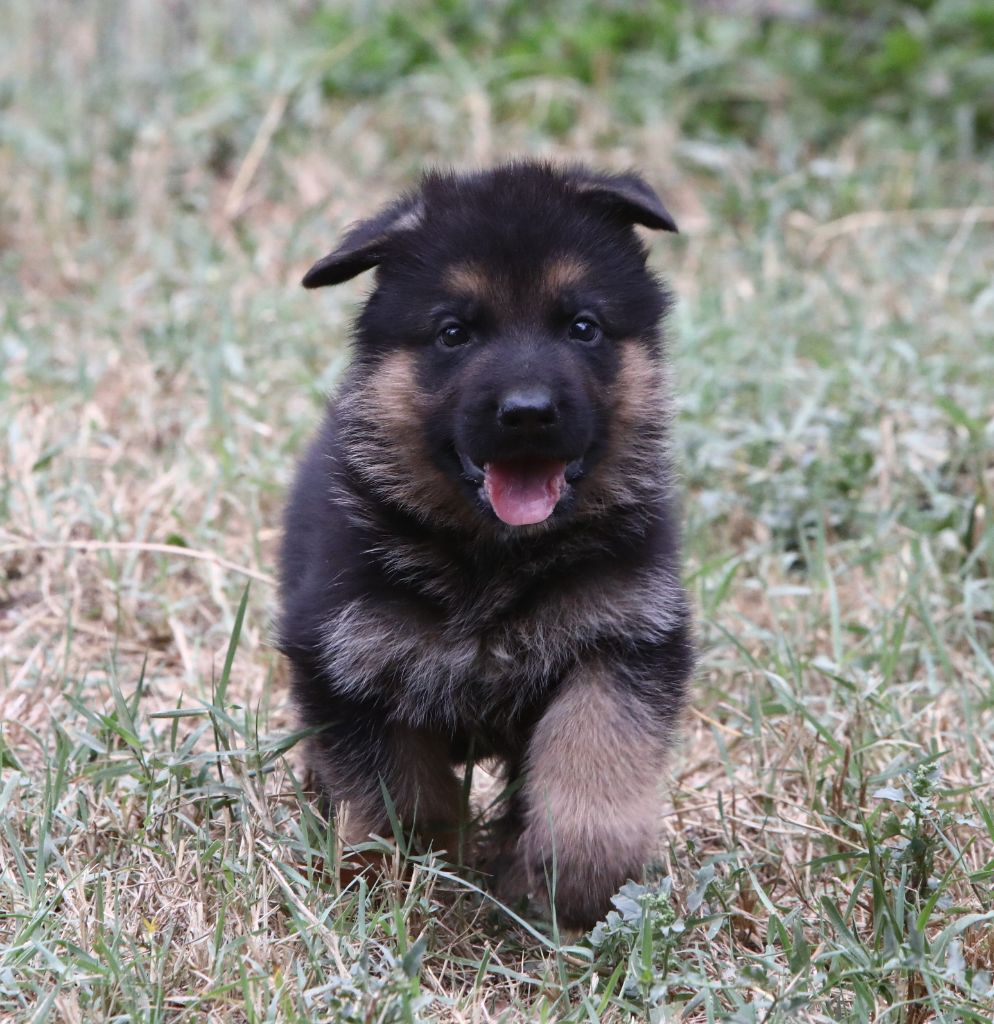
(166, 175)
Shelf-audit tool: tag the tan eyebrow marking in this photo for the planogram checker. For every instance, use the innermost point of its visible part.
(468, 278)
(563, 272)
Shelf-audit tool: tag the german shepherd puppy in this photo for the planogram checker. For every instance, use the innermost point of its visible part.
(480, 555)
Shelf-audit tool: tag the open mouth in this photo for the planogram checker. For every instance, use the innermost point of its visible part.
(522, 491)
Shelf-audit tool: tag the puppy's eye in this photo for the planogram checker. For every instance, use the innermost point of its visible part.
(453, 335)
(584, 329)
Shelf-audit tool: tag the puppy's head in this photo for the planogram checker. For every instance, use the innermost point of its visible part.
(507, 360)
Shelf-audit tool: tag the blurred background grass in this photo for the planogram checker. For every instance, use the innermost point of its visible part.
(168, 171)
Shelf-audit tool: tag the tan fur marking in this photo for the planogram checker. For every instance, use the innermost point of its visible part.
(476, 282)
(563, 272)
(386, 419)
(632, 462)
(467, 278)
(595, 765)
(593, 770)
(638, 389)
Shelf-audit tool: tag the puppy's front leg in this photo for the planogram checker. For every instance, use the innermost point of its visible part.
(358, 755)
(591, 806)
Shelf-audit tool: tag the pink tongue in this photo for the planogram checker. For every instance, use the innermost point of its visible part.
(526, 491)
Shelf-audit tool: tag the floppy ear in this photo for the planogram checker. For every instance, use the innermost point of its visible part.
(629, 197)
(366, 244)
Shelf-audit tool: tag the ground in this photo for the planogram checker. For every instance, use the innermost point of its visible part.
(167, 173)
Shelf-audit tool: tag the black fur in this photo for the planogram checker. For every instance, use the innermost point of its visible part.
(419, 624)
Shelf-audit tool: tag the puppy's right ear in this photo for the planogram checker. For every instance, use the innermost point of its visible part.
(629, 196)
(367, 244)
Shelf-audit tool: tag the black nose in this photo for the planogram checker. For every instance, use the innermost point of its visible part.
(528, 408)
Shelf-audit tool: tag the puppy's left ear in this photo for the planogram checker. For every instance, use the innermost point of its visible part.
(367, 244)
(630, 197)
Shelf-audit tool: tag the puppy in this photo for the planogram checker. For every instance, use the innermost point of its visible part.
(480, 555)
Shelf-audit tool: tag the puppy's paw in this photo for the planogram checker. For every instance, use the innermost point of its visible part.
(581, 878)
(515, 885)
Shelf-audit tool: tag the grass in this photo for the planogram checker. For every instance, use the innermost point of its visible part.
(166, 174)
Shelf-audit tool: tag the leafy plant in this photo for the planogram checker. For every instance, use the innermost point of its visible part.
(637, 938)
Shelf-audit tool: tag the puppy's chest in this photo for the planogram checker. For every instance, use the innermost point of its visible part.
(460, 668)
(488, 660)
